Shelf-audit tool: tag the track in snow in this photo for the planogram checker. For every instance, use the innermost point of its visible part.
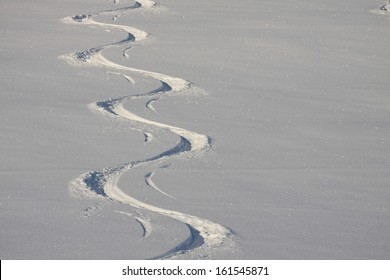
(205, 236)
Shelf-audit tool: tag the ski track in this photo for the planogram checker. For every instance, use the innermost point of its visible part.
(125, 52)
(150, 183)
(146, 227)
(206, 236)
(145, 224)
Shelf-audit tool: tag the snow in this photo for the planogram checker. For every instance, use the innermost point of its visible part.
(194, 129)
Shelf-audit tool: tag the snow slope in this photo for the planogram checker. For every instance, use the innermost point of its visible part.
(194, 129)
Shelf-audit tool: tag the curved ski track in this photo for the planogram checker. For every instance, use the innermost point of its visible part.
(205, 236)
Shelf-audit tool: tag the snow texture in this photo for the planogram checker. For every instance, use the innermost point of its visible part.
(195, 129)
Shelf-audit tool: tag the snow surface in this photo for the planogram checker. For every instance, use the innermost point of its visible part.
(195, 129)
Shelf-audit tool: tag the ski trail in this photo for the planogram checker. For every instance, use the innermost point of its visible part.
(125, 52)
(149, 104)
(159, 91)
(146, 225)
(205, 236)
(194, 240)
(129, 79)
(150, 183)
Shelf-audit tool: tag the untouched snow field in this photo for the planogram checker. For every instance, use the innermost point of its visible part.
(254, 129)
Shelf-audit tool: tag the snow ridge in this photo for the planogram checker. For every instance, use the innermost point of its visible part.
(205, 236)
